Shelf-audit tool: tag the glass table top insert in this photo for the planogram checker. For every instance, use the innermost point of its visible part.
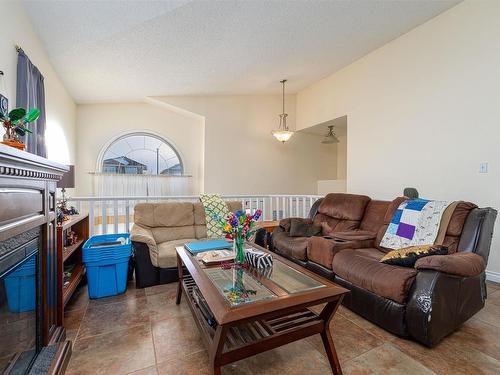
(238, 286)
(291, 280)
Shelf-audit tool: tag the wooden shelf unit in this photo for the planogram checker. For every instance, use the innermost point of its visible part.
(75, 279)
(70, 255)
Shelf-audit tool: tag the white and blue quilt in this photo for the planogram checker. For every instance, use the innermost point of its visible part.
(415, 222)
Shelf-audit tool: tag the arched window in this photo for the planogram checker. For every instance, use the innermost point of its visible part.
(141, 153)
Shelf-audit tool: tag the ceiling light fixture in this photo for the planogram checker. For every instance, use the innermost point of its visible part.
(283, 134)
(330, 138)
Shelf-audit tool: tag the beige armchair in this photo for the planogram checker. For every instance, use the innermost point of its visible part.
(158, 229)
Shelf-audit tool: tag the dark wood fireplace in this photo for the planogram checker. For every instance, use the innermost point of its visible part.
(28, 261)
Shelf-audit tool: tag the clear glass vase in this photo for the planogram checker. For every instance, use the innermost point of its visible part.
(239, 249)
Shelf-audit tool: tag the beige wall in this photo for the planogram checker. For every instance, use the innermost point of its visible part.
(99, 124)
(422, 111)
(241, 156)
(60, 108)
(331, 186)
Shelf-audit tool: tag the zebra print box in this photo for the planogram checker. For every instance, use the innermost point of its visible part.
(258, 259)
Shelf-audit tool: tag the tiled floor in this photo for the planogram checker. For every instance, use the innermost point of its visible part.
(143, 332)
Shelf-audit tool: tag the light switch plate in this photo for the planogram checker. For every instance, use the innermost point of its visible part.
(483, 167)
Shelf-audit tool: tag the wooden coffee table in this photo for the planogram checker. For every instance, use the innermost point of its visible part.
(274, 313)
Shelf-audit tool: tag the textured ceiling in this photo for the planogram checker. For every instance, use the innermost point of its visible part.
(124, 50)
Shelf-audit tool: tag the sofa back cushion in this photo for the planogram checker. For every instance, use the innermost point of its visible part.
(169, 214)
(341, 212)
(393, 206)
(344, 206)
(453, 232)
(374, 215)
(456, 225)
(175, 220)
(164, 234)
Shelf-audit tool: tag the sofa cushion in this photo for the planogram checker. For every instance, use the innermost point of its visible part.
(331, 225)
(287, 222)
(388, 281)
(453, 232)
(456, 225)
(199, 214)
(344, 206)
(370, 253)
(293, 247)
(300, 228)
(458, 218)
(393, 206)
(322, 250)
(167, 255)
(163, 234)
(200, 231)
(460, 264)
(170, 214)
(373, 217)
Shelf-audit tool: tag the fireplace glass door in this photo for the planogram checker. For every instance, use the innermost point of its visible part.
(18, 308)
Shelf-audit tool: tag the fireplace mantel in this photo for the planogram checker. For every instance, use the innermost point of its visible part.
(14, 162)
(28, 205)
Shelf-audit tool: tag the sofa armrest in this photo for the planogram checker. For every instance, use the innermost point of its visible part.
(141, 234)
(459, 264)
(276, 230)
(349, 244)
(438, 303)
(355, 235)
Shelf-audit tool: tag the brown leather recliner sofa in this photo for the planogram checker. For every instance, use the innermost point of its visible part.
(426, 302)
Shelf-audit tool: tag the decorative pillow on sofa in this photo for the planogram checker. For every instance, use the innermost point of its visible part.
(302, 228)
(408, 256)
(214, 205)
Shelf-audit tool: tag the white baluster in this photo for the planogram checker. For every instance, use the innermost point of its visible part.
(104, 218)
(115, 216)
(127, 216)
(91, 218)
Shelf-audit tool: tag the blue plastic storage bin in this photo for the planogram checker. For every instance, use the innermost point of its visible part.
(107, 267)
(20, 287)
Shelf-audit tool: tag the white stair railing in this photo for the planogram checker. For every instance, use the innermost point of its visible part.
(115, 214)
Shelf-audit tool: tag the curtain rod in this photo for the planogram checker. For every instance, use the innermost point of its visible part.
(18, 47)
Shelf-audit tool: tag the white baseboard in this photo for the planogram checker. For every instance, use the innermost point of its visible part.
(493, 276)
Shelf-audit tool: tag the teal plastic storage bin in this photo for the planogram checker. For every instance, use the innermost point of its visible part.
(107, 266)
(20, 286)
(107, 278)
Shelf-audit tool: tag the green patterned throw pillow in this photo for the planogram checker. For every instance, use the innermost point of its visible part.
(213, 204)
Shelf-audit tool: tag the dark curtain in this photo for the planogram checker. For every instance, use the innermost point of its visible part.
(31, 94)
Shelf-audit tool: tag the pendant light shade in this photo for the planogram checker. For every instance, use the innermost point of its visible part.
(283, 134)
(330, 137)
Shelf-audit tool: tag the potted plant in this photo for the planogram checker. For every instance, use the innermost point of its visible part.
(15, 124)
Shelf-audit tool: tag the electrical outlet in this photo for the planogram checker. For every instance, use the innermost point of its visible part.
(483, 167)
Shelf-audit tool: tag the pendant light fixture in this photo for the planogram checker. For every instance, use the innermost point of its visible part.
(283, 134)
(330, 137)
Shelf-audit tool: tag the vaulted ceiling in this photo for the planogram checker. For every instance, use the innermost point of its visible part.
(125, 50)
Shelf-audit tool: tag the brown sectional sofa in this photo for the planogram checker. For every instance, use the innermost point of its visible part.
(426, 302)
